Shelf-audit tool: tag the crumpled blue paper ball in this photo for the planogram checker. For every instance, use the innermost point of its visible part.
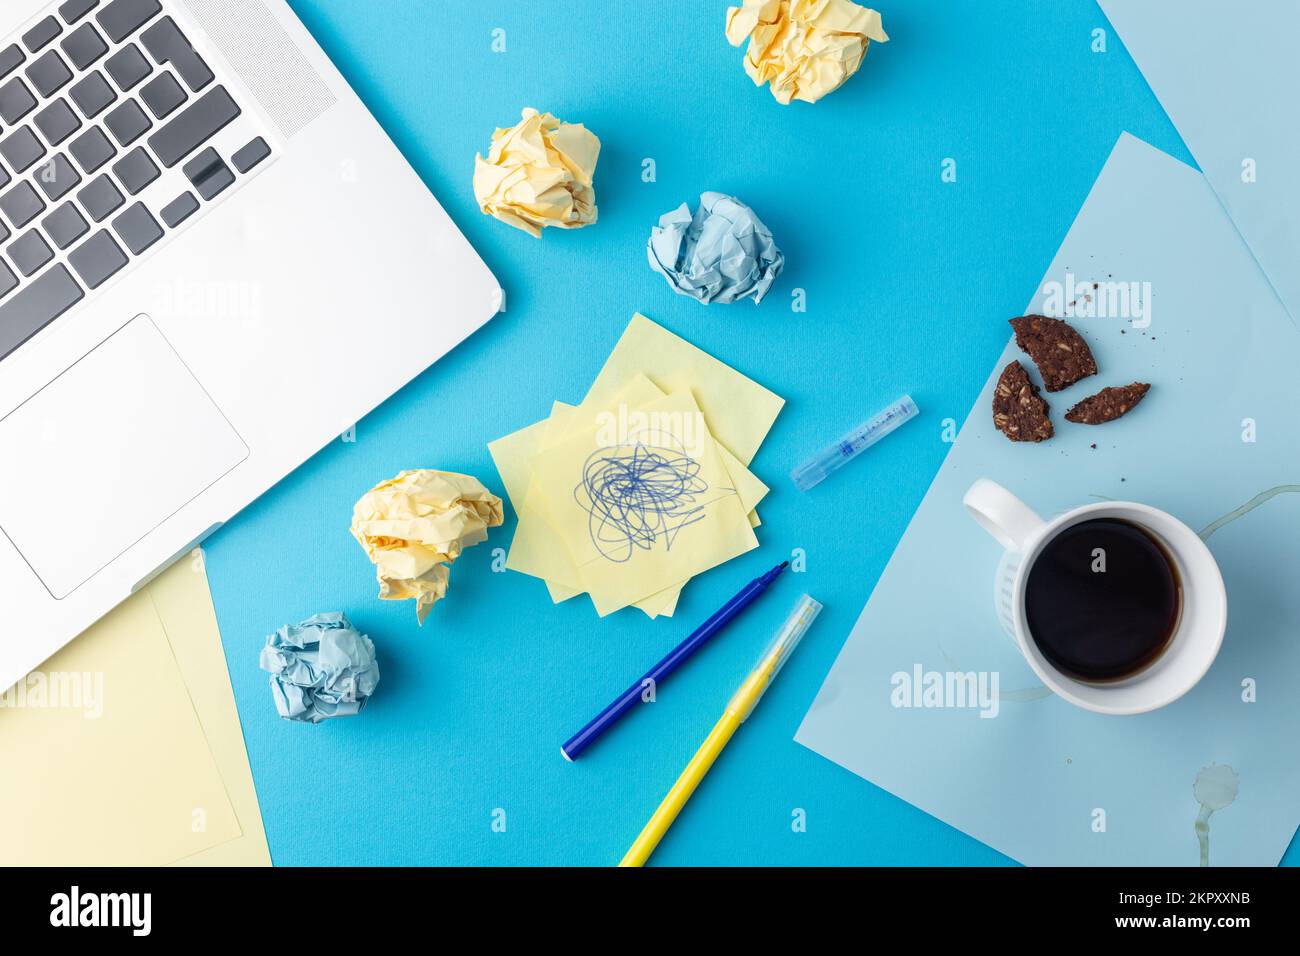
(720, 254)
(321, 668)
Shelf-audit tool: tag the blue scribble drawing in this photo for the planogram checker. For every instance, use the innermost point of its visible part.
(636, 494)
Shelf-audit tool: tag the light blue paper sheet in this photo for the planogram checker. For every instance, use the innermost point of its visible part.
(1039, 779)
(1226, 73)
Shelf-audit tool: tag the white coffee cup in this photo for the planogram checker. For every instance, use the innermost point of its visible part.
(1201, 623)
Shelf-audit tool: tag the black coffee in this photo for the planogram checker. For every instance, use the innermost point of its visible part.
(1102, 600)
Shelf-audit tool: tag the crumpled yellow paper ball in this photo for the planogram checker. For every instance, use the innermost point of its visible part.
(415, 525)
(538, 173)
(803, 48)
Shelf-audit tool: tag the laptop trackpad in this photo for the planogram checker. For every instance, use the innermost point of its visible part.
(105, 453)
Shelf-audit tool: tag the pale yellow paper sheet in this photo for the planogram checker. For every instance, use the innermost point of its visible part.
(738, 411)
(615, 575)
(138, 784)
(184, 604)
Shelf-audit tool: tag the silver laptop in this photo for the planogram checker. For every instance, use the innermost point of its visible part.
(212, 263)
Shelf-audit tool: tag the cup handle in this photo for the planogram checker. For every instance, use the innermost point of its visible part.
(1012, 522)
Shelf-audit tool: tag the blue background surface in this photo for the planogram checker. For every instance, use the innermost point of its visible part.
(909, 282)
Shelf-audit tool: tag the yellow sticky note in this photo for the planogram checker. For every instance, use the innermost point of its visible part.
(641, 499)
(513, 457)
(107, 760)
(536, 549)
(640, 390)
(538, 535)
(738, 411)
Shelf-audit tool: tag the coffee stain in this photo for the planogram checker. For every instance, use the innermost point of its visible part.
(1025, 694)
(1019, 696)
(1235, 513)
(1248, 507)
(1215, 788)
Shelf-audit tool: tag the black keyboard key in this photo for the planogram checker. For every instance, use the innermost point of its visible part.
(127, 122)
(49, 73)
(138, 229)
(247, 157)
(40, 35)
(8, 282)
(57, 177)
(135, 170)
(65, 225)
(11, 58)
(162, 95)
(74, 10)
(121, 18)
(92, 150)
(97, 259)
(21, 204)
(22, 149)
(27, 312)
(209, 173)
(29, 252)
(166, 44)
(4, 232)
(127, 67)
(179, 209)
(92, 94)
(100, 198)
(194, 126)
(57, 122)
(16, 100)
(84, 46)
(4, 181)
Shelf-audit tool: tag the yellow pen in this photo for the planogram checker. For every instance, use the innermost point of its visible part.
(742, 704)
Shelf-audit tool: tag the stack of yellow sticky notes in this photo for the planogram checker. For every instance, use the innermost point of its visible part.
(628, 495)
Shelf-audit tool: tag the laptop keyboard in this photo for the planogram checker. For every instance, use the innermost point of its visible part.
(99, 100)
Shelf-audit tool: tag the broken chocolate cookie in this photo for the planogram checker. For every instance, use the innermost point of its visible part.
(1061, 354)
(1108, 404)
(1018, 410)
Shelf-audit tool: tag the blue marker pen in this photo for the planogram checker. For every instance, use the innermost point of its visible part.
(678, 655)
(834, 457)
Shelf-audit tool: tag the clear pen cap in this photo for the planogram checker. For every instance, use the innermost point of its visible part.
(853, 443)
(776, 653)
